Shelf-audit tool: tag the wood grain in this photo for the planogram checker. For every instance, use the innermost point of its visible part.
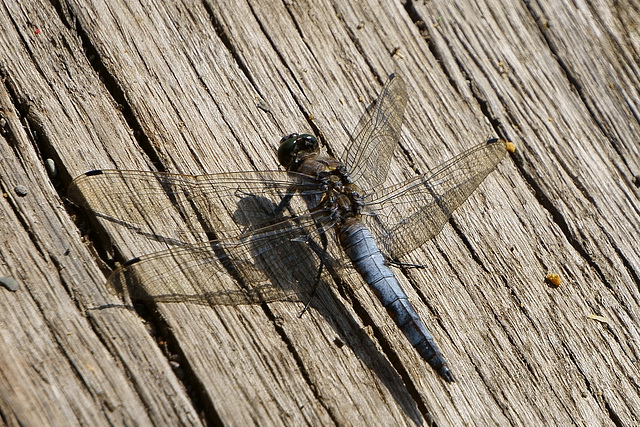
(209, 87)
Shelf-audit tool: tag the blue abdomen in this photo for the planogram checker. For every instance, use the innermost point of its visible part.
(361, 248)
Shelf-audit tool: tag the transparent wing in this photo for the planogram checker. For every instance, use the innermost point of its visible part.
(270, 264)
(369, 154)
(158, 205)
(271, 260)
(403, 217)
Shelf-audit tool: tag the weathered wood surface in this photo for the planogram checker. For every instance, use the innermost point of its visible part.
(176, 85)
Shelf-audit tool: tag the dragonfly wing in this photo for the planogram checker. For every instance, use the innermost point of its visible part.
(403, 217)
(157, 204)
(270, 264)
(368, 156)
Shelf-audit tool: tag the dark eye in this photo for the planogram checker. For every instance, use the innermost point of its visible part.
(310, 141)
(296, 147)
(286, 149)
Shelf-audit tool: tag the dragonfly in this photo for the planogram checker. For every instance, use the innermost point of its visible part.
(252, 237)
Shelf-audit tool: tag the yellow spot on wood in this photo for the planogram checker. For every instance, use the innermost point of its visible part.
(511, 147)
(553, 279)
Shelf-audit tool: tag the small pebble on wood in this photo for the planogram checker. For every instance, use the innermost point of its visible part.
(20, 190)
(262, 104)
(9, 283)
(52, 170)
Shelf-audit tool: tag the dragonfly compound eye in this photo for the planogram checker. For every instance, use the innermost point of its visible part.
(295, 147)
(286, 149)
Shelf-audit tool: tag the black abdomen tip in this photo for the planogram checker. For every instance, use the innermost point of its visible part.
(446, 374)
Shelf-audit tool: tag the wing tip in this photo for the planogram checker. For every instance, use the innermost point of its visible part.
(131, 262)
(508, 145)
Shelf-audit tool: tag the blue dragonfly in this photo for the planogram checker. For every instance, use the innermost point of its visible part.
(262, 236)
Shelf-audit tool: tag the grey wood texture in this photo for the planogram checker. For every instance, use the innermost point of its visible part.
(182, 86)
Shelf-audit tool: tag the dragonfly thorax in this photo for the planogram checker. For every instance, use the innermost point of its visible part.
(342, 199)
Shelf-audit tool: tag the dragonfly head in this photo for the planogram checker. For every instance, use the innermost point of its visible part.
(295, 148)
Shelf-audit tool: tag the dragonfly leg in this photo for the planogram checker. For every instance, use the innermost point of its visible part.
(315, 289)
(284, 203)
(399, 264)
(322, 253)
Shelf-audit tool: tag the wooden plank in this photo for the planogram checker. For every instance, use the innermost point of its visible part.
(57, 368)
(189, 78)
(551, 89)
(64, 362)
(244, 388)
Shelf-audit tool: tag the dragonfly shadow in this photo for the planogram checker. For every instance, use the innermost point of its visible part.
(282, 254)
(303, 264)
(268, 260)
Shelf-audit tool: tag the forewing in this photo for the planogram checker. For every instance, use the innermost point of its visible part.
(405, 216)
(269, 264)
(160, 205)
(368, 156)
